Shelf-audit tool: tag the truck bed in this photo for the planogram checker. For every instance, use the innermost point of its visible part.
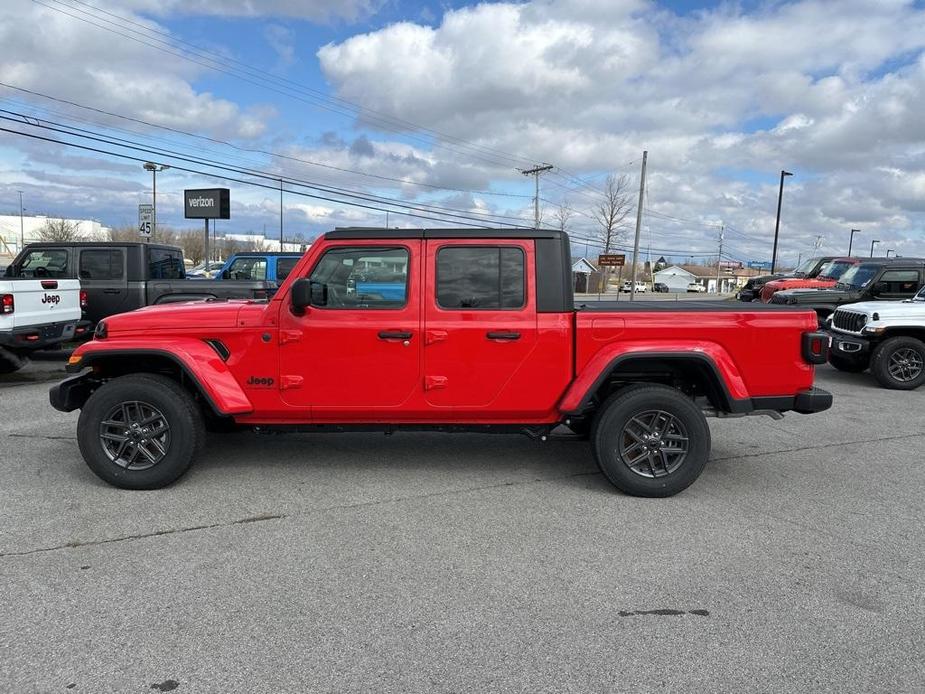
(668, 306)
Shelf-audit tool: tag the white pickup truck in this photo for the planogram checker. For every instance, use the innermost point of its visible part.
(888, 337)
(36, 314)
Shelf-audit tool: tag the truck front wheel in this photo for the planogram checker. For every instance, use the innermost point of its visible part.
(140, 431)
(651, 440)
(899, 363)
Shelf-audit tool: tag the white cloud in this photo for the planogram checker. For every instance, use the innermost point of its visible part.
(836, 89)
(312, 10)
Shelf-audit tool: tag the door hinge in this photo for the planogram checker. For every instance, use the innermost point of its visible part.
(287, 336)
(432, 336)
(434, 382)
(290, 382)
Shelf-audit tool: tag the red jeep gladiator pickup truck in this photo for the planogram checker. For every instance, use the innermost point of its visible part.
(438, 329)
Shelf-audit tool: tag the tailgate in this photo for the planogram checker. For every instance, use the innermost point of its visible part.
(38, 302)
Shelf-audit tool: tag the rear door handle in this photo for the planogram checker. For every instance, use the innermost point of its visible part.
(111, 291)
(502, 336)
(391, 335)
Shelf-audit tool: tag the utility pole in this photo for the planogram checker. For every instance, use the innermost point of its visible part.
(780, 197)
(281, 214)
(719, 258)
(818, 244)
(22, 233)
(535, 172)
(386, 219)
(642, 190)
(851, 240)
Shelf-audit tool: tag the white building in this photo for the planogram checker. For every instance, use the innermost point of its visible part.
(265, 242)
(11, 243)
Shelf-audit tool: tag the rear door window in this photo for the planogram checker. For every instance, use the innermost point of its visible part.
(248, 268)
(284, 267)
(44, 262)
(165, 264)
(102, 264)
(480, 278)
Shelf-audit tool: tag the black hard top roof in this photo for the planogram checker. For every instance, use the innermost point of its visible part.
(892, 261)
(437, 233)
(101, 244)
(266, 253)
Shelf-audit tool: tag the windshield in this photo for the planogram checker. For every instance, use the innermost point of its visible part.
(859, 276)
(920, 296)
(805, 267)
(835, 269)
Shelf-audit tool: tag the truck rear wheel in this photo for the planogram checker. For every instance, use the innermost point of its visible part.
(899, 363)
(651, 440)
(11, 362)
(140, 431)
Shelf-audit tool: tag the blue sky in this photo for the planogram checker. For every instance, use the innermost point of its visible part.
(721, 95)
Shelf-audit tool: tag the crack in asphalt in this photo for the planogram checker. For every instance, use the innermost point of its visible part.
(283, 516)
(819, 446)
(142, 536)
(42, 436)
(377, 502)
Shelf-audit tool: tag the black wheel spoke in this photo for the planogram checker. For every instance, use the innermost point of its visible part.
(135, 435)
(654, 443)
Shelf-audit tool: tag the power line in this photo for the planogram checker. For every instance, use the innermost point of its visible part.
(225, 177)
(128, 144)
(269, 153)
(280, 85)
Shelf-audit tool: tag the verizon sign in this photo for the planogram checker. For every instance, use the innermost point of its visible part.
(207, 203)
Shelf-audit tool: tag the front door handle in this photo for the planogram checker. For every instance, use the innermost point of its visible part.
(502, 335)
(394, 335)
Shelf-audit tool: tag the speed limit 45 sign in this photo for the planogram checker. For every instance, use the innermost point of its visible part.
(145, 219)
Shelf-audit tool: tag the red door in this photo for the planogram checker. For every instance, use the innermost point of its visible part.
(479, 319)
(360, 353)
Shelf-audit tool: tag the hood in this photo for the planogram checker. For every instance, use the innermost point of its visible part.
(889, 309)
(179, 316)
(830, 295)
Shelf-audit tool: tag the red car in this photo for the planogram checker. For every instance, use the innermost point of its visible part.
(823, 276)
(477, 332)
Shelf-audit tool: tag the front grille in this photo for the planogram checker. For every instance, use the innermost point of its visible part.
(849, 321)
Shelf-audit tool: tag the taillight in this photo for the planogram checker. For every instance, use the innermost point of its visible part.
(83, 298)
(7, 305)
(815, 347)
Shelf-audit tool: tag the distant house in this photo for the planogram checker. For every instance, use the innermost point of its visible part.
(661, 264)
(677, 277)
(584, 266)
(585, 276)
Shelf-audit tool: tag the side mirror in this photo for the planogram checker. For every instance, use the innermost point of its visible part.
(307, 293)
(9, 271)
(225, 274)
(878, 288)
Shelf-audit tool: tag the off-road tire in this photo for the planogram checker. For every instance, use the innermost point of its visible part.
(880, 362)
(179, 409)
(608, 432)
(11, 362)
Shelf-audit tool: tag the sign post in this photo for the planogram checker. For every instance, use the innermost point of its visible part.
(207, 203)
(608, 260)
(145, 220)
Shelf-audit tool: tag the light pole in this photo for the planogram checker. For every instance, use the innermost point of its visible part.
(875, 241)
(22, 233)
(851, 240)
(888, 251)
(154, 168)
(780, 197)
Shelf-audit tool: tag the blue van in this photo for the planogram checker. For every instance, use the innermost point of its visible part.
(256, 265)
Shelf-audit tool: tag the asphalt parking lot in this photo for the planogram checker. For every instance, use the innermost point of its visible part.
(470, 563)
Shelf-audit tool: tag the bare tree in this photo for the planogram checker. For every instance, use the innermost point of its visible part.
(612, 210)
(58, 230)
(563, 214)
